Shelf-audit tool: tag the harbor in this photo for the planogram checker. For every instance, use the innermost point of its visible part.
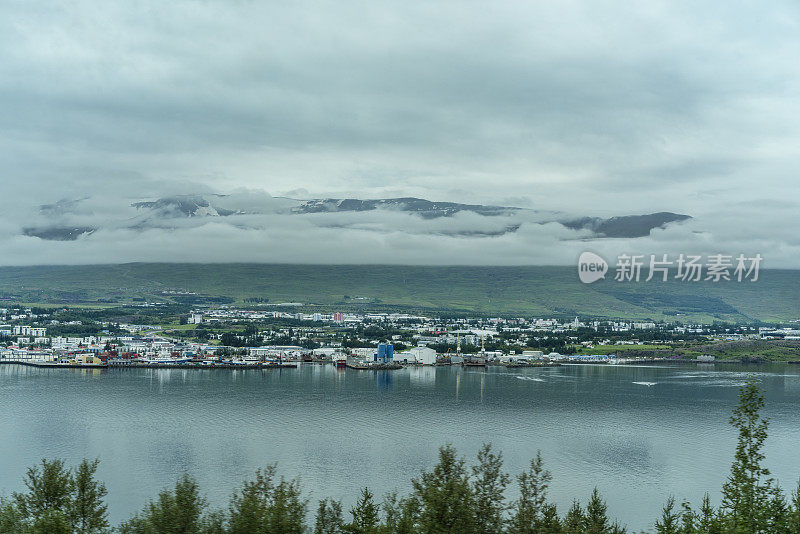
(143, 365)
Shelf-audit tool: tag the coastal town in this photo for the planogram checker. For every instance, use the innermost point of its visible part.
(233, 337)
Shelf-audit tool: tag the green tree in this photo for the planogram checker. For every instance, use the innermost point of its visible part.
(263, 506)
(329, 517)
(708, 522)
(779, 514)
(670, 519)
(57, 500)
(749, 490)
(391, 512)
(366, 515)
(596, 519)
(11, 519)
(49, 495)
(488, 488)
(574, 520)
(248, 506)
(794, 512)
(201, 335)
(287, 511)
(229, 339)
(549, 523)
(401, 514)
(444, 495)
(214, 523)
(530, 513)
(89, 511)
(176, 511)
(688, 519)
(51, 522)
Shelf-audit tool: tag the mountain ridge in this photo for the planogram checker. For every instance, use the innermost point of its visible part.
(66, 222)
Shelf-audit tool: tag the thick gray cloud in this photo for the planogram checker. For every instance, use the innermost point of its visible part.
(588, 108)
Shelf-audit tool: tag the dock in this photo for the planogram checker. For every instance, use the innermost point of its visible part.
(56, 365)
(226, 366)
(379, 367)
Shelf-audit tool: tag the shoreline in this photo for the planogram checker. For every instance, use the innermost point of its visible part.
(50, 365)
(383, 367)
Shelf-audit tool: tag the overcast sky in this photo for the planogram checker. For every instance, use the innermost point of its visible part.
(586, 108)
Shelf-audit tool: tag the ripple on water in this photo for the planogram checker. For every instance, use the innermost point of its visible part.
(340, 431)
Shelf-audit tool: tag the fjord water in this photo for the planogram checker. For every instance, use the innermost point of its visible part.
(637, 433)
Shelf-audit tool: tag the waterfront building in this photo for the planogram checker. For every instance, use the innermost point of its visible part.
(532, 354)
(405, 357)
(362, 353)
(385, 353)
(423, 355)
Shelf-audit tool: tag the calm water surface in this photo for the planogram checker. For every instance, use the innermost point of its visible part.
(637, 433)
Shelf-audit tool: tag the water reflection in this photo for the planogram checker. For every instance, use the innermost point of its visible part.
(638, 433)
(383, 380)
(422, 375)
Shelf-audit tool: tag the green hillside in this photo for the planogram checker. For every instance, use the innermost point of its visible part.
(530, 291)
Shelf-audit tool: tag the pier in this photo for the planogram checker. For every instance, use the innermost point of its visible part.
(227, 366)
(34, 363)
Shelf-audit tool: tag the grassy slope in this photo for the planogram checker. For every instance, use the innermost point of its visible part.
(540, 291)
(769, 350)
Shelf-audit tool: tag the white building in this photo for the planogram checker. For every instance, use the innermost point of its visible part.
(24, 330)
(492, 354)
(363, 353)
(404, 357)
(424, 355)
(65, 343)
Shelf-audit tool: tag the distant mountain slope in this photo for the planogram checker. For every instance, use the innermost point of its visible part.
(183, 205)
(626, 226)
(620, 226)
(419, 206)
(524, 291)
(69, 220)
(58, 233)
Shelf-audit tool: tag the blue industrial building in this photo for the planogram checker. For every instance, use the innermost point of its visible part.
(385, 353)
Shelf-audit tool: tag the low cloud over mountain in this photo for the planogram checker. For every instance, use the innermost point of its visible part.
(249, 225)
(376, 215)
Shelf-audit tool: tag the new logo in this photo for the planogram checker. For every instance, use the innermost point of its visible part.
(591, 267)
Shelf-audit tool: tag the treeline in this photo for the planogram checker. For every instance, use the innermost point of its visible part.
(450, 498)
